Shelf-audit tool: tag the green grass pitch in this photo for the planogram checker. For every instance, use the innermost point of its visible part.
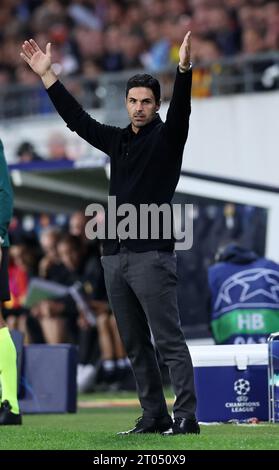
(96, 428)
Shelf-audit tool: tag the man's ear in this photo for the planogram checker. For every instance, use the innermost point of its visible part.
(158, 105)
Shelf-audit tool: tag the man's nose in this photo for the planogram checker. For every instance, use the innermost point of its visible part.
(139, 107)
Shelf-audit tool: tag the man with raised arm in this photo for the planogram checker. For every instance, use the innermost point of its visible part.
(140, 271)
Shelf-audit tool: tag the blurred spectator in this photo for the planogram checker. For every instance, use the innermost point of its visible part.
(253, 43)
(223, 29)
(57, 147)
(205, 51)
(77, 224)
(113, 58)
(156, 57)
(132, 47)
(21, 265)
(26, 153)
(227, 225)
(58, 318)
(50, 266)
(91, 248)
(254, 223)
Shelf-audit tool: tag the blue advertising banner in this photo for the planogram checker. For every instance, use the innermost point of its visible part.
(229, 394)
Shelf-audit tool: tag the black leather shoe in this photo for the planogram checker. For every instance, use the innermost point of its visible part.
(146, 424)
(6, 415)
(183, 426)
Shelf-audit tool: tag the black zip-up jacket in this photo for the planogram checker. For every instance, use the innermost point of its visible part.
(145, 167)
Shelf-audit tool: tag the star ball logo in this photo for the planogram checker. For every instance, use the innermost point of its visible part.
(251, 288)
(242, 403)
(242, 387)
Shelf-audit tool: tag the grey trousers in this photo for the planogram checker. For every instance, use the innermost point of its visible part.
(142, 294)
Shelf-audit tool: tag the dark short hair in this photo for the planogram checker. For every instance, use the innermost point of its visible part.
(25, 147)
(146, 81)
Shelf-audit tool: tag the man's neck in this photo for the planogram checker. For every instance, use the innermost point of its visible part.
(137, 129)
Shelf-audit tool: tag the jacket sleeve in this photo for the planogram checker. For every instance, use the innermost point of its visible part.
(177, 121)
(99, 135)
(6, 195)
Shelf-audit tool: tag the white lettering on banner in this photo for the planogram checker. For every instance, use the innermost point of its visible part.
(242, 410)
(257, 321)
(249, 340)
(243, 407)
(251, 322)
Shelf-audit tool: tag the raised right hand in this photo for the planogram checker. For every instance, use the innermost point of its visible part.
(39, 61)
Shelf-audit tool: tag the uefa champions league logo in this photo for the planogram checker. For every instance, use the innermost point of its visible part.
(242, 387)
(242, 402)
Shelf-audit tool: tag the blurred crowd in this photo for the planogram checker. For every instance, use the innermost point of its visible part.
(50, 252)
(95, 36)
(49, 256)
(55, 248)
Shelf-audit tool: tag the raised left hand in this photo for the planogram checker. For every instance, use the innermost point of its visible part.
(185, 51)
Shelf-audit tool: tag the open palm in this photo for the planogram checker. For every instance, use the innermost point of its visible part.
(39, 61)
(185, 50)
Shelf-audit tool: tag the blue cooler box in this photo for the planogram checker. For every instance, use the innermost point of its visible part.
(231, 381)
(48, 379)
